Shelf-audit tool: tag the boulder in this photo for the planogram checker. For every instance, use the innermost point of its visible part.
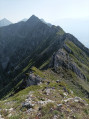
(33, 80)
(27, 104)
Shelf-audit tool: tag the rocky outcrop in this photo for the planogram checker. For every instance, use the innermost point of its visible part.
(33, 80)
(31, 101)
(76, 42)
(62, 59)
(75, 99)
(67, 48)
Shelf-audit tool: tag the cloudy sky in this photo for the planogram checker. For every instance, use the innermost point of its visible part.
(72, 15)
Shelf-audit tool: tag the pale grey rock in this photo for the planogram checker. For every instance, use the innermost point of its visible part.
(62, 59)
(76, 100)
(59, 105)
(33, 80)
(10, 115)
(55, 117)
(48, 91)
(58, 81)
(1, 117)
(29, 110)
(28, 104)
(45, 102)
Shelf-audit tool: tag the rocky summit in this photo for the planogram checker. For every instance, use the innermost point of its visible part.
(44, 72)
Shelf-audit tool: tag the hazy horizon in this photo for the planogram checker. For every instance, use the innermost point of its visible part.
(71, 15)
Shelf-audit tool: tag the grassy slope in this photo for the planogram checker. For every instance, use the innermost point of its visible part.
(56, 95)
(67, 78)
(78, 56)
(82, 62)
(40, 56)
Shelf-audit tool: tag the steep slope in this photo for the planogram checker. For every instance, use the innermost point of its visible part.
(33, 43)
(53, 97)
(46, 22)
(4, 22)
(21, 38)
(23, 43)
(59, 82)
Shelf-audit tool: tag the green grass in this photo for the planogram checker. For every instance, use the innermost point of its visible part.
(69, 81)
(78, 53)
(38, 72)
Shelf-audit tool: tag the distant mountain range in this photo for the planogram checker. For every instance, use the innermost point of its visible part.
(25, 19)
(4, 22)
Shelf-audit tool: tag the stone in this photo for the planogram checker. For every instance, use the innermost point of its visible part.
(33, 80)
(1, 117)
(47, 91)
(10, 115)
(75, 99)
(45, 102)
(11, 109)
(59, 105)
(71, 91)
(55, 117)
(65, 94)
(28, 104)
(29, 110)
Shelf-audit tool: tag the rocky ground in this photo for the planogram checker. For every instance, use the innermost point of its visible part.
(48, 99)
(45, 103)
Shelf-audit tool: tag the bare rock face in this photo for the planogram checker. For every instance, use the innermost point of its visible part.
(62, 59)
(33, 80)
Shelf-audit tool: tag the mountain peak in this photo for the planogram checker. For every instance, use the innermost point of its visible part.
(33, 20)
(4, 22)
(33, 17)
(4, 19)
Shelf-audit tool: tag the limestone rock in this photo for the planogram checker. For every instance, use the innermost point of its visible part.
(62, 59)
(27, 104)
(33, 80)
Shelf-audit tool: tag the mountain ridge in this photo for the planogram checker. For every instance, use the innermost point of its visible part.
(36, 57)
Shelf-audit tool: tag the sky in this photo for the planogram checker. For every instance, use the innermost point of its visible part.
(72, 15)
